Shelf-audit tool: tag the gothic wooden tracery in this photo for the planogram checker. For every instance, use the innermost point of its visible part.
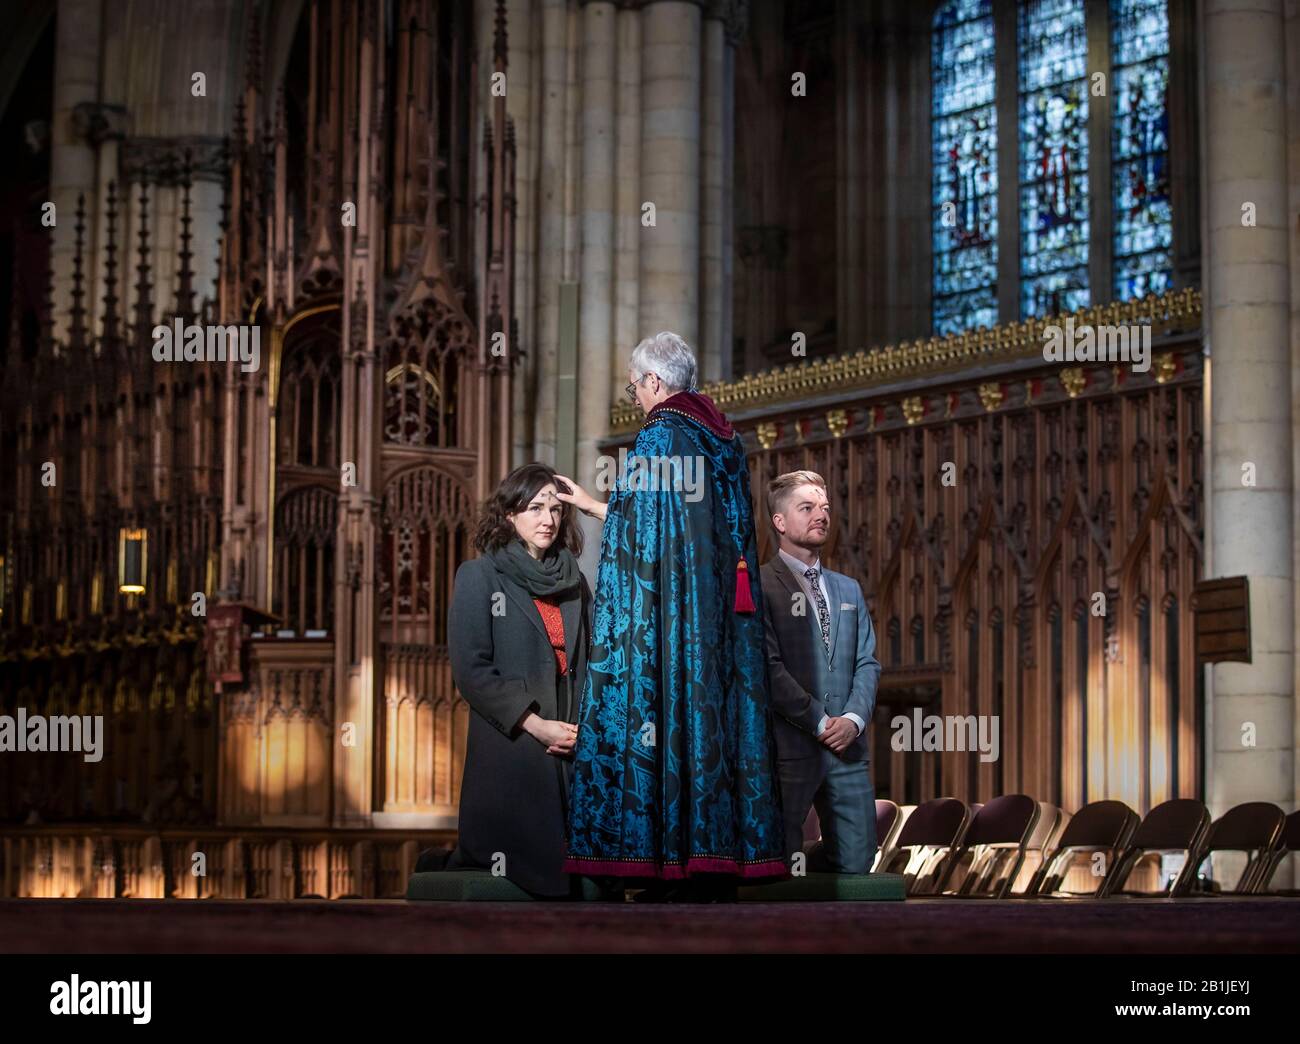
(427, 524)
(322, 494)
(1025, 545)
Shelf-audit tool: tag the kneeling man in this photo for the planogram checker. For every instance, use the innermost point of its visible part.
(823, 671)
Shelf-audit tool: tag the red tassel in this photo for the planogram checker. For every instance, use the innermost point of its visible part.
(744, 597)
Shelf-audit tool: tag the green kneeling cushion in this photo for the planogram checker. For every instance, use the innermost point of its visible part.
(481, 886)
(819, 887)
(474, 886)
(461, 885)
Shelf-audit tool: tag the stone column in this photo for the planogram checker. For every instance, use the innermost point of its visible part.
(882, 108)
(1293, 157)
(717, 107)
(627, 222)
(552, 221)
(852, 251)
(523, 84)
(596, 268)
(1248, 304)
(725, 23)
(670, 168)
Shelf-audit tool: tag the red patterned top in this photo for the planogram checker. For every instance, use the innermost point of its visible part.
(554, 621)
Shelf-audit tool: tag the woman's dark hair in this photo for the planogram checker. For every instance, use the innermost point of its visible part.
(515, 493)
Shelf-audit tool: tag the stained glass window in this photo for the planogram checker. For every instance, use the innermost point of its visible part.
(1143, 216)
(1052, 57)
(965, 186)
(1052, 102)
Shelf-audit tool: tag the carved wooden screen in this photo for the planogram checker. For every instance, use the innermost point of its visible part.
(421, 384)
(305, 526)
(1028, 549)
(158, 747)
(426, 529)
(426, 380)
(308, 414)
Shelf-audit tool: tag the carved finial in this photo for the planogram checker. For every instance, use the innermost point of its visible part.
(185, 274)
(500, 44)
(226, 164)
(281, 133)
(143, 286)
(77, 316)
(15, 318)
(109, 335)
(260, 162)
(223, 259)
(241, 124)
(47, 319)
(253, 71)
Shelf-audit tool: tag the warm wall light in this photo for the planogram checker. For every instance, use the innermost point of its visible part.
(4, 586)
(132, 560)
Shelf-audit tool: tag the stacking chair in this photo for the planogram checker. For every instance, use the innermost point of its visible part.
(961, 860)
(1254, 828)
(1061, 824)
(1102, 826)
(1050, 823)
(996, 840)
(1288, 842)
(1174, 827)
(889, 824)
(885, 852)
(927, 843)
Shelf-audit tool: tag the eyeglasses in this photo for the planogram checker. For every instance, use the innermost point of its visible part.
(631, 388)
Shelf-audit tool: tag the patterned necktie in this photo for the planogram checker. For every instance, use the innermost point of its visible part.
(823, 611)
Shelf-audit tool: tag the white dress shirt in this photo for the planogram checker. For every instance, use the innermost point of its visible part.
(799, 568)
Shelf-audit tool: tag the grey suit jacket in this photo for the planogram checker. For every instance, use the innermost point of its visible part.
(807, 683)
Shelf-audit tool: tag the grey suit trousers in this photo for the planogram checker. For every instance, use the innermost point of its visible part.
(845, 800)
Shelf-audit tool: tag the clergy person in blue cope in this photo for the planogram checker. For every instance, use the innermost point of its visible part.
(675, 767)
(824, 673)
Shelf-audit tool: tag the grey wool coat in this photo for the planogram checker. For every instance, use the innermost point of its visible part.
(514, 796)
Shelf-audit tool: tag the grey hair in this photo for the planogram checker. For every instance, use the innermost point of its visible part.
(670, 357)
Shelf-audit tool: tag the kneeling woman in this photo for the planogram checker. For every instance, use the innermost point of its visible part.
(517, 637)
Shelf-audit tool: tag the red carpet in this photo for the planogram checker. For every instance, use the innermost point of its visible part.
(917, 926)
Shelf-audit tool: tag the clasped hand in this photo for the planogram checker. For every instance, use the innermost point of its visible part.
(558, 737)
(838, 734)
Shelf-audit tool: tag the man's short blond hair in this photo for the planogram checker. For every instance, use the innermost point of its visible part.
(780, 488)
